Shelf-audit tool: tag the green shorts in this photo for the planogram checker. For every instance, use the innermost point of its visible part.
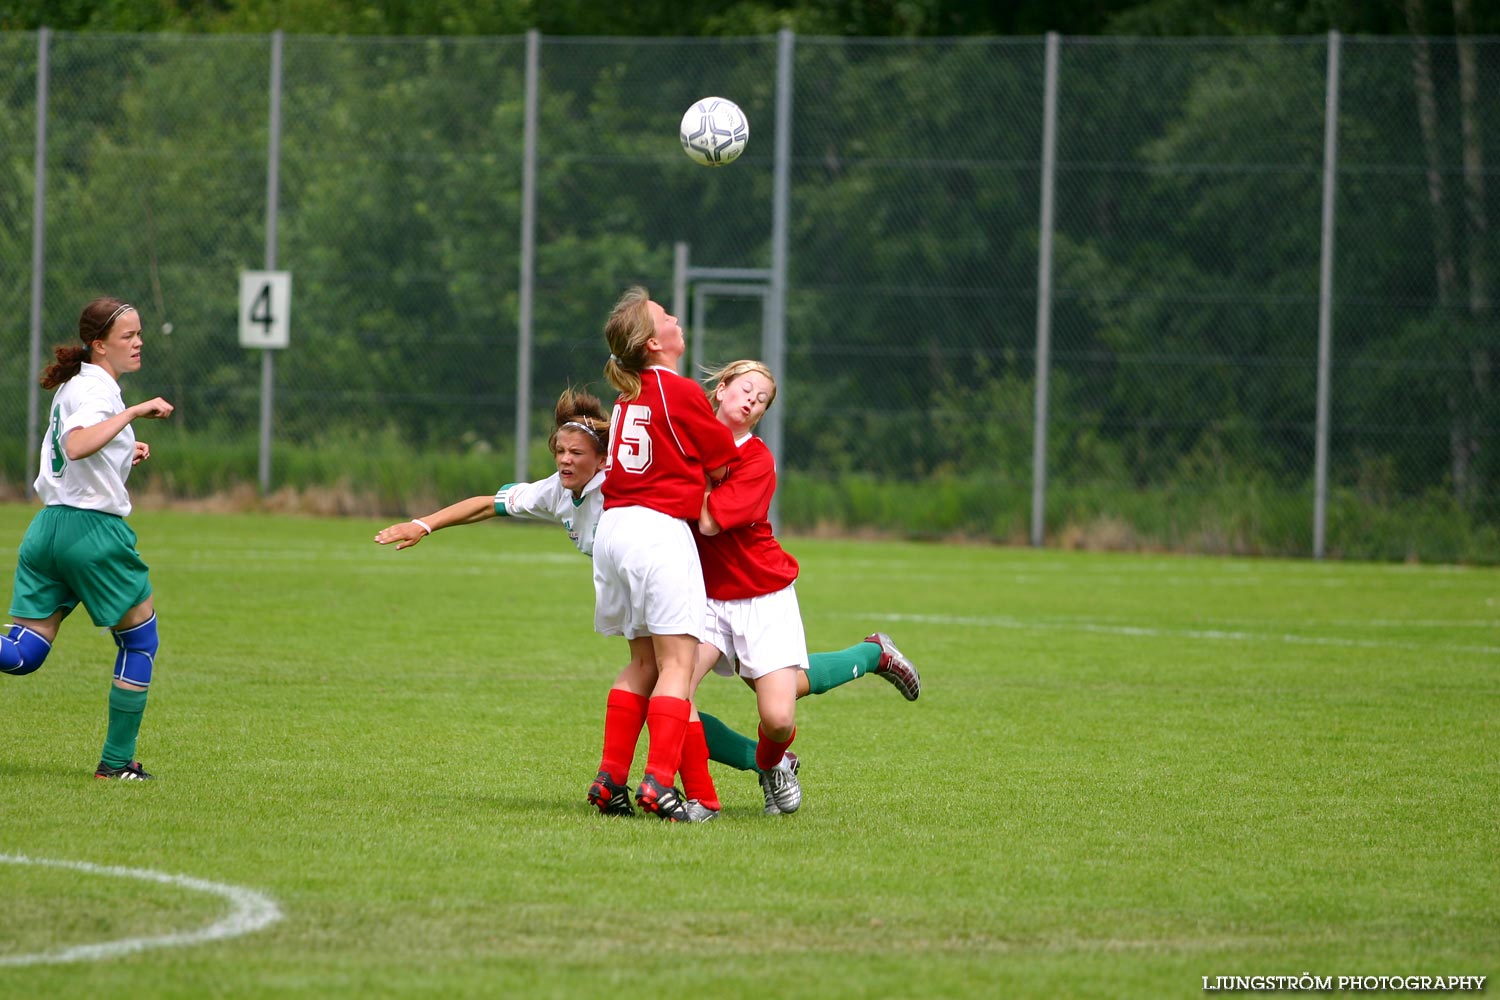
(70, 555)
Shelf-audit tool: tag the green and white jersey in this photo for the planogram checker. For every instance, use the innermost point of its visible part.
(98, 481)
(549, 500)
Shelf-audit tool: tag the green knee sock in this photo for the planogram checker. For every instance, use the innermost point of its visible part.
(826, 671)
(727, 746)
(125, 708)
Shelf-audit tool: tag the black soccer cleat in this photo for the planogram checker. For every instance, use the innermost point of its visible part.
(664, 802)
(130, 772)
(609, 798)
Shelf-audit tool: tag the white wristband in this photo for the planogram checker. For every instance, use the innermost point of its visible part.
(422, 524)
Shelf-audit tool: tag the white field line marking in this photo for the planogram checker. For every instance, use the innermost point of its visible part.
(252, 911)
(218, 555)
(1144, 631)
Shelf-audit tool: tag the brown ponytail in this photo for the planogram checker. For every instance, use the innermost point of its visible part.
(70, 358)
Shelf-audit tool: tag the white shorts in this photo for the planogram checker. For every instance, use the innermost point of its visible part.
(647, 578)
(756, 635)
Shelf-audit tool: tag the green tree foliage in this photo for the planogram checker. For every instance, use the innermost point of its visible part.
(891, 18)
(1189, 187)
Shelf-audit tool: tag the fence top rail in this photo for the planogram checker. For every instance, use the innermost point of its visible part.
(819, 40)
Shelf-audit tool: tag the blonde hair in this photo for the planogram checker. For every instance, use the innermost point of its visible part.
(583, 411)
(728, 373)
(626, 332)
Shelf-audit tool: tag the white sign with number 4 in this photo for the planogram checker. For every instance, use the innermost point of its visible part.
(265, 308)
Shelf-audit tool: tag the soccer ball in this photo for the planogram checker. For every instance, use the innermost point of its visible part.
(714, 131)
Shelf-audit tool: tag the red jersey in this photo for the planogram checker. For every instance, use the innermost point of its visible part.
(744, 559)
(662, 445)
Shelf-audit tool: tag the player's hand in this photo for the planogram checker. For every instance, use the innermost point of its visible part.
(142, 452)
(153, 409)
(405, 535)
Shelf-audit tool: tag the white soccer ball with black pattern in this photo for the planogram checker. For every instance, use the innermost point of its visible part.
(714, 131)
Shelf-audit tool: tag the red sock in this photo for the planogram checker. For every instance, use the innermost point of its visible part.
(624, 715)
(697, 783)
(666, 720)
(768, 752)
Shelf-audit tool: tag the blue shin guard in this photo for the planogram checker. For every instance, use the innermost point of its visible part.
(137, 653)
(22, 650)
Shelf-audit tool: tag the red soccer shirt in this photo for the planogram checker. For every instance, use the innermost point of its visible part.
(662, 444)
(744, 559)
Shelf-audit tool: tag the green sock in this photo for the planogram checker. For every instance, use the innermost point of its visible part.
(727, 746)
(125, 708)
(826, 671)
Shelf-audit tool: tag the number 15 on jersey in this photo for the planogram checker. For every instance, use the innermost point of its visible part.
(265, 308)
(631, 434)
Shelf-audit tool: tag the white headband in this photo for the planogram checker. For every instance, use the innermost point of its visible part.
(116, 314)
(583, 427)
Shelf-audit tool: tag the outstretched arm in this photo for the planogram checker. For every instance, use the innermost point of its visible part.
(408, 533)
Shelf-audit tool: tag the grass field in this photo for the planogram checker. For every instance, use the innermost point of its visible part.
(1125, 774)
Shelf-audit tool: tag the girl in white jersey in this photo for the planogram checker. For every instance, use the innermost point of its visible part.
(78, 548)
(569, 497)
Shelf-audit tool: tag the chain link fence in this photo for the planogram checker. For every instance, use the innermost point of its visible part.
(1182, 299)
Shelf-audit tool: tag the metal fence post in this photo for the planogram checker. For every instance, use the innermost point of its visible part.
(528, 261)
(775, 315)
(680, 253)
(38, 255)
(273, 195)
(1325, 295)
(1044, 296)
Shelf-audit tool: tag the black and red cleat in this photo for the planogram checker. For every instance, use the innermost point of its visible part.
(664, 802)
(609, 798)
(130, 772)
